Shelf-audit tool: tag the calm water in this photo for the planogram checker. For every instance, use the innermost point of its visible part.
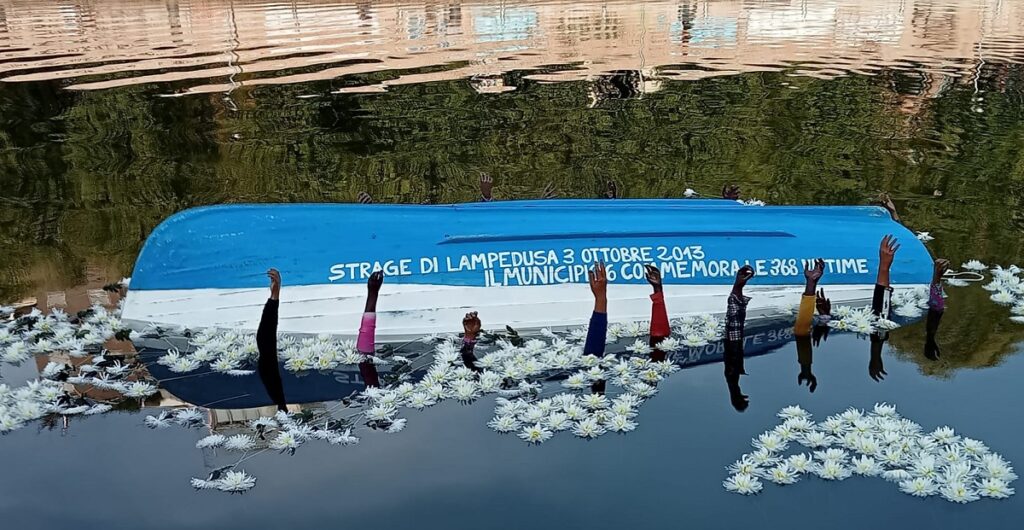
(115, 114)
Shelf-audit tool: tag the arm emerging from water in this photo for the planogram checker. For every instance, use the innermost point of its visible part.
(597, 333)
(266, 343)
(805, 316)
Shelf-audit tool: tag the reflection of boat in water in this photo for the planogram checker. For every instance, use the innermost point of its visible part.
(518, 263)
(217, 390)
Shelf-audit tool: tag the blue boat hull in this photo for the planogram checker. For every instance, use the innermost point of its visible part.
(519, 263)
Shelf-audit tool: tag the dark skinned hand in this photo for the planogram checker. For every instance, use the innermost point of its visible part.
(653, 275)
(486, 185)
(275, 283)
(823, 304)
(941, 266)
(807, 377)
(471, 325)
(875, 369)
(731, 192)
(375, 281)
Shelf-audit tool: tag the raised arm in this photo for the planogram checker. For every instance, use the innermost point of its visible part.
(368, 327)
(812, 275)
(886, 253)
(598, 330)
(936, 307)
(660, 328)
(471, 326)
(266, 344)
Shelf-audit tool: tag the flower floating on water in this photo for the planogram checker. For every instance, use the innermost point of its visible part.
(974, 265)
(924, 236)
(213, 440)
(239, 442)
(1003, 298)
(158, 422)
(743, 483)
(535, 434)
(885, 445)
(236, 482)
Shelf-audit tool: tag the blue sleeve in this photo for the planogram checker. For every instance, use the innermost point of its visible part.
(596, 334)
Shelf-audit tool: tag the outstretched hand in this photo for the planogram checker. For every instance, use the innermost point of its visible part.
(731, 192)
(653, 275)
(375, 281)
(941, 266)
(598, 277)
(486, 185)
(813, 273)
(275, 283)
(887, 250)
(807, 377)
(471, 325)
(743, 275)
(886, 201)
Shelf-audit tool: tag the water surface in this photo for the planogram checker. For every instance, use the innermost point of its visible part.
(115, 114)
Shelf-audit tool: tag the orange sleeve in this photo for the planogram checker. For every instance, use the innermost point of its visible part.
(805, 316)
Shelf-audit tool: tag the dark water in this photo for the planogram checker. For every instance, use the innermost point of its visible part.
(114, 115)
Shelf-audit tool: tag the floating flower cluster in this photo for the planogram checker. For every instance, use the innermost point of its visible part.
(879, 443)
(34, 333)
(1007, 287)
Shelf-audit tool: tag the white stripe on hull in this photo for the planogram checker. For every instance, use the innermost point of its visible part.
(409, 311)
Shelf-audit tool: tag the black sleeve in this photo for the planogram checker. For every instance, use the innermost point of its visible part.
(266, 334)
(878, 300)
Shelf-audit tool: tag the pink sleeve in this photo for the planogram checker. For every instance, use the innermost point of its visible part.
(365, 342)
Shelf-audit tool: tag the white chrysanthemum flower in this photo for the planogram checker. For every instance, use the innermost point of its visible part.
(575, 412)
(832, 455)
(815, 439)
(763, 458)
(169, 358)
(958, 472)
(213, 440)
(202, 484)
(642, 389)
(924, 237)
(236, 482)
(639, 347)
(465, 390)
(263, 423)
(896, 475)
(958, 492)
(745, 465)
(885, 410)
(893, 457)
(620, 423)
(184, 364)
(489, 381)
(866, 466)
(919, 487)
(832, 470)
(800, 463)
(994, 488)
(594, 401)
(396, 426)
(239, 442)
(956, 282)
(188, 416)
(532, 414)
(158, 422)
(694, 340)
(588, 428)
(743, 483)
(799, 425)
(1004, 298)
(925, 466)
(994, 466)
(576, 381)
(285, 441)
(420, 400)
(139, 389)
(770, 441)
(670, 344)
(535, 434)
(504, 423)
(952, 454)
(794, 411)
(623, 408)
(381, 412)
(344, 438)
(974, 265)
(781, 474)
(558, 421)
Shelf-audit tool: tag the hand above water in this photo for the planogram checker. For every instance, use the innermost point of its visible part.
(731, 192)
(812, 274)
(653, 275)
(275, 283)
(598, 277)
(471, 325)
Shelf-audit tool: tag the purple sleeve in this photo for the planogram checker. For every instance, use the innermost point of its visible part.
(367, 331)
(596, 334)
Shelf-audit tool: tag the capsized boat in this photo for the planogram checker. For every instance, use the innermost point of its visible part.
(518, 263)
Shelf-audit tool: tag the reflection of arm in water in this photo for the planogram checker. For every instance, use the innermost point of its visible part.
(735, 317)
(598, 330)
(266, 343)
(936, 307)
(365, 343)
(660, 328)
(880, 304)
(471, 325)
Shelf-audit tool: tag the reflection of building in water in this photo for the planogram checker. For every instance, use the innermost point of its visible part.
(201, 43)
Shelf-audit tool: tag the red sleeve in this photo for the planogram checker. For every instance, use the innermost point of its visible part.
(659, 317)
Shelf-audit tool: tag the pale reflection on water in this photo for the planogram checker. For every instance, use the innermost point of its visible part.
(218, 46)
